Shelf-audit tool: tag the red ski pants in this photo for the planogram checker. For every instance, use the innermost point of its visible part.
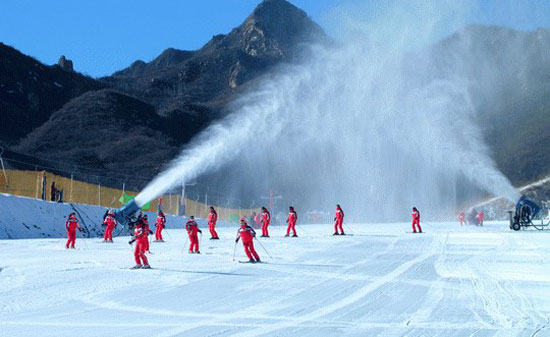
(212, 229)
(264, 229)
(158, 233)
(108, 233)
(338, 226)
(146, 243)
(250, 251)
(291, 226)
(139, 253)
(194, 243)
(71, 235)
(416, 223)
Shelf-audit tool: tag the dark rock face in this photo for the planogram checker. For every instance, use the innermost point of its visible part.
(201, 82)
(65, 64)
(104, 130)
(31, 91)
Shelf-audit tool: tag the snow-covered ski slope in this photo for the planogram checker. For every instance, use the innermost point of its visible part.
(449, 281)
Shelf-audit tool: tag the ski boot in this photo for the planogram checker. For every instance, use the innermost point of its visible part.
(146, 266)
(335, 233)
(294, 236)
(252, 261)
(137, 266)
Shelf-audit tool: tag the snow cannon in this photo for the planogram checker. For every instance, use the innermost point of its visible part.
(526, 210)
(125, 214)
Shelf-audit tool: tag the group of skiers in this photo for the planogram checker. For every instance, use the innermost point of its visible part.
(245, 233)
(474, 218)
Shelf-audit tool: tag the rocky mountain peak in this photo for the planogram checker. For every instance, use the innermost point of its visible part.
(65, 63)
(275, 27)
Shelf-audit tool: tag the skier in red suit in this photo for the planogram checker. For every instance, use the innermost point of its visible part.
(266, 219)
(416, 220)
(291, 220)
(247, 234)
(139, 251)
(339, 221)
(212, 219)
(110, 222)
(71, 225)
(146, 231)
(192, 230)
(479, 218)
(160, 224)
(461, 217)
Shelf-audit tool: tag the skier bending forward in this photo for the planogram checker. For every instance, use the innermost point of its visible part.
(141, 244)
(247, 234)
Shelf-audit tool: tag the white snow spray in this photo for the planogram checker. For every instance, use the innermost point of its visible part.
(370, 123)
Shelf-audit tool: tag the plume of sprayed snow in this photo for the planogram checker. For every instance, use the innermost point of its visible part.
(370, 124)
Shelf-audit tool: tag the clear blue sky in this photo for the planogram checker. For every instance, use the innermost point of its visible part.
(103, 36)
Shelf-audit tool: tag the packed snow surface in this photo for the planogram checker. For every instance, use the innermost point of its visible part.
(383, 281)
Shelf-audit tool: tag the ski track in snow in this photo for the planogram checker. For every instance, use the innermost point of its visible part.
(451, 281)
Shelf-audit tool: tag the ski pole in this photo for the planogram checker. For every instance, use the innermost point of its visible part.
(258, 241)
(85, 244)
(348, 228)
(168, 235)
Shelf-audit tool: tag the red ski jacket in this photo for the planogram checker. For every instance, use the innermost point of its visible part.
(192, 228)
(161, 221)
(71, 224)
(339, 214)
(110, 221)
(416, 215)
(213, 217)
(140, 235)
(246, 233)
(292, 217)
(266, 217)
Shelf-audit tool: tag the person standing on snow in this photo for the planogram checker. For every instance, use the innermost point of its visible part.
(472, 218)
(212, 219)
(461, 217)
(146, 230)
(71, 225)
(110, 222)
(139, 251)
(247, 234)
(192, 230)
(480, 217)
(416, 220)
(266, 219)
(160, 224)
(291, 220)
(339, 221)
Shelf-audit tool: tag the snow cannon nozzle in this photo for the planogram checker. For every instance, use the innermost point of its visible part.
(525, 204)
(124, 214)
(526, 210)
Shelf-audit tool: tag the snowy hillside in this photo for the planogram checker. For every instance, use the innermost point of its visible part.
(449, 281)
(24, 218)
